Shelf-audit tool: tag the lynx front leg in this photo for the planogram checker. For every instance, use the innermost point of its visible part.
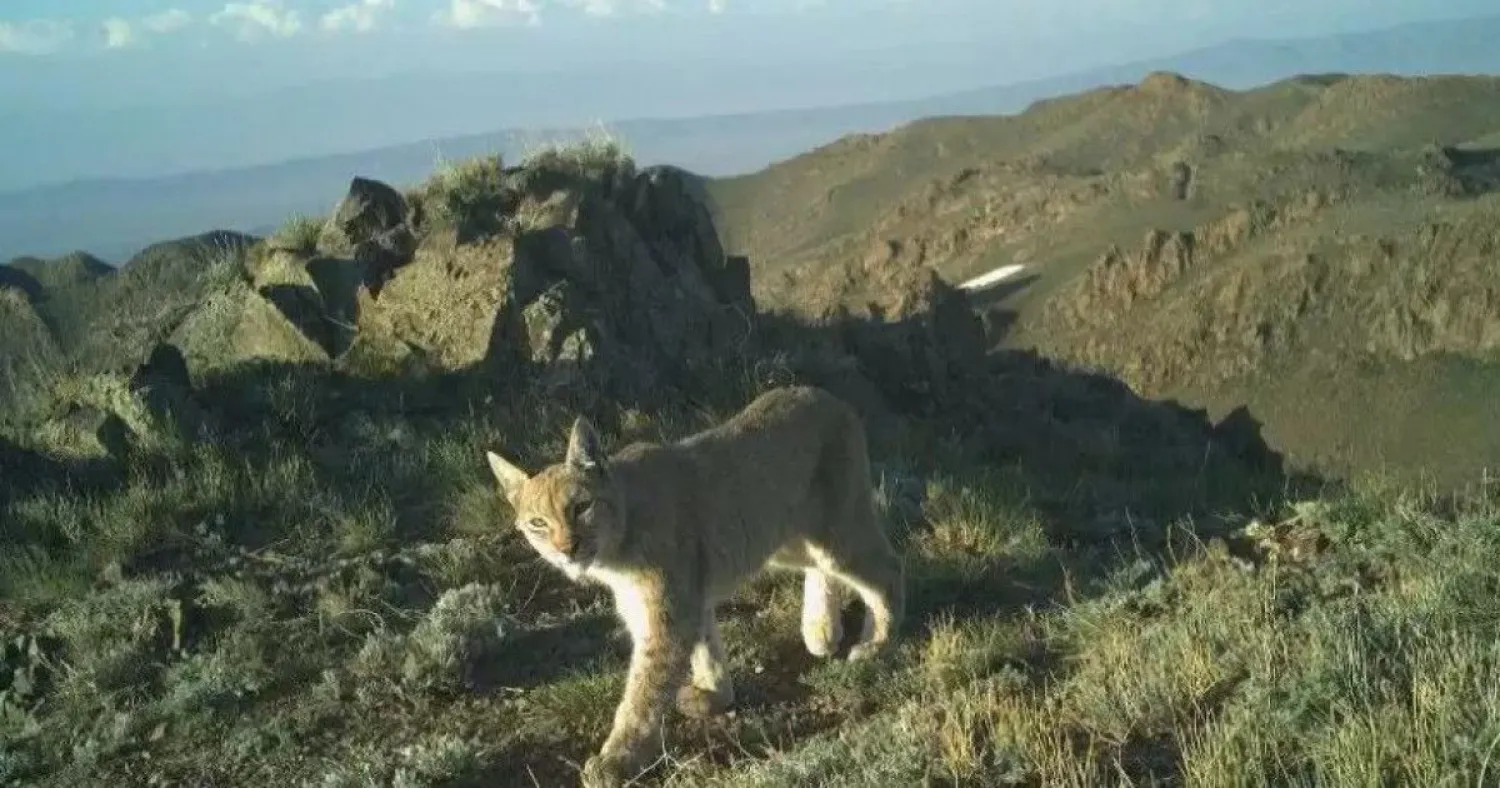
(710, 689)
(663, 632)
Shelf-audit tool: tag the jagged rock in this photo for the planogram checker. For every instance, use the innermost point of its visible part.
(674, 219)
(382, 254)
(928, 342)
(559, 327)
(237, 325)
(368, 210)
(443, 307)
(338, 284)
(318, 295)
(372, 225)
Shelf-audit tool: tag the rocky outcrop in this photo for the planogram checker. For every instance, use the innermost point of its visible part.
(924, 344)
(621, 283)
(373, 226)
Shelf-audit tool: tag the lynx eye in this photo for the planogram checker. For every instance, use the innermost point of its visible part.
(536, 525)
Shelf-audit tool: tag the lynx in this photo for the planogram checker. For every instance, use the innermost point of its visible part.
(673, 529)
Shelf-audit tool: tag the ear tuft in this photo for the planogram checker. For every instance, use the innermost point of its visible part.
(509, 476)
(585, 450)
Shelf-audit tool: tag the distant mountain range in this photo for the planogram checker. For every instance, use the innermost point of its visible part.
(115, 218)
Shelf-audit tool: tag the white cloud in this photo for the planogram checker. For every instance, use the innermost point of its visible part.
(169, 21)
(612, 7)
(718, 6)
(360, 17)
(257, 19)
(122, 33)
(469, 14)
(34, 37)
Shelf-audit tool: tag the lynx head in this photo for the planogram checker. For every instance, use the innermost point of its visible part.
(570, 512)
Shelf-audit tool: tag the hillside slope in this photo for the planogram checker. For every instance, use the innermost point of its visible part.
(1320, 248)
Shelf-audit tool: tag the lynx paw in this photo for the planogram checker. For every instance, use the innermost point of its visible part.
(866, 650)
(822, 636)
(699, 703)
(602, 772)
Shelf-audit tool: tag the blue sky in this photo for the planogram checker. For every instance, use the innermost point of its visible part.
(97, 87)
(39, 28)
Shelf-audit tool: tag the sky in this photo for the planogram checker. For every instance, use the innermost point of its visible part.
(333, 75)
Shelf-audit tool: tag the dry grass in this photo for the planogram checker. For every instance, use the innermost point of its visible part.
(433, 649)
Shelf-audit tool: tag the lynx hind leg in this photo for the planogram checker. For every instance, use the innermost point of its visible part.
(822, 601)
(877, 576)
(860, 556)
(709, 690)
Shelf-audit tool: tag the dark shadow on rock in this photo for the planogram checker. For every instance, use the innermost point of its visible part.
(1470, 172)
(1113, 475)
(17, 279)
(338, 281)
(303, 308)
(27, 473)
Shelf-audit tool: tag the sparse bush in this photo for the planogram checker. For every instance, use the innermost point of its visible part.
(348, 602)
(438, 760)
(236, 669)
(463, 627)
(435, 761)
(299, 234)
(466, 192)
(111, 638)
(598, 157)
(250, 603)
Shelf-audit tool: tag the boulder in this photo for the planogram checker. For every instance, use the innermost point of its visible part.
(368, 210)
(372, 225)
(237, 325)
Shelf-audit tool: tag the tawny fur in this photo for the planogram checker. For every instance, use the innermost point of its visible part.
(674, 529)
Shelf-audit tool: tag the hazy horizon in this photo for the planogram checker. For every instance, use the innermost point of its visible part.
(143, 88)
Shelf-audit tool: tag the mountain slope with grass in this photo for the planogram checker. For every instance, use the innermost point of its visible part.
(287, 450)
(1319, 249)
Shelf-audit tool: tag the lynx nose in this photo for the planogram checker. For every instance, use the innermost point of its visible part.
(566, 545)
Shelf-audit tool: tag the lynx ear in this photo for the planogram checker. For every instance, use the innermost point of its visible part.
(509, 476)
(585, 451)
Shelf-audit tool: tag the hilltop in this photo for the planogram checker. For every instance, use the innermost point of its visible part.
(1318, 249)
